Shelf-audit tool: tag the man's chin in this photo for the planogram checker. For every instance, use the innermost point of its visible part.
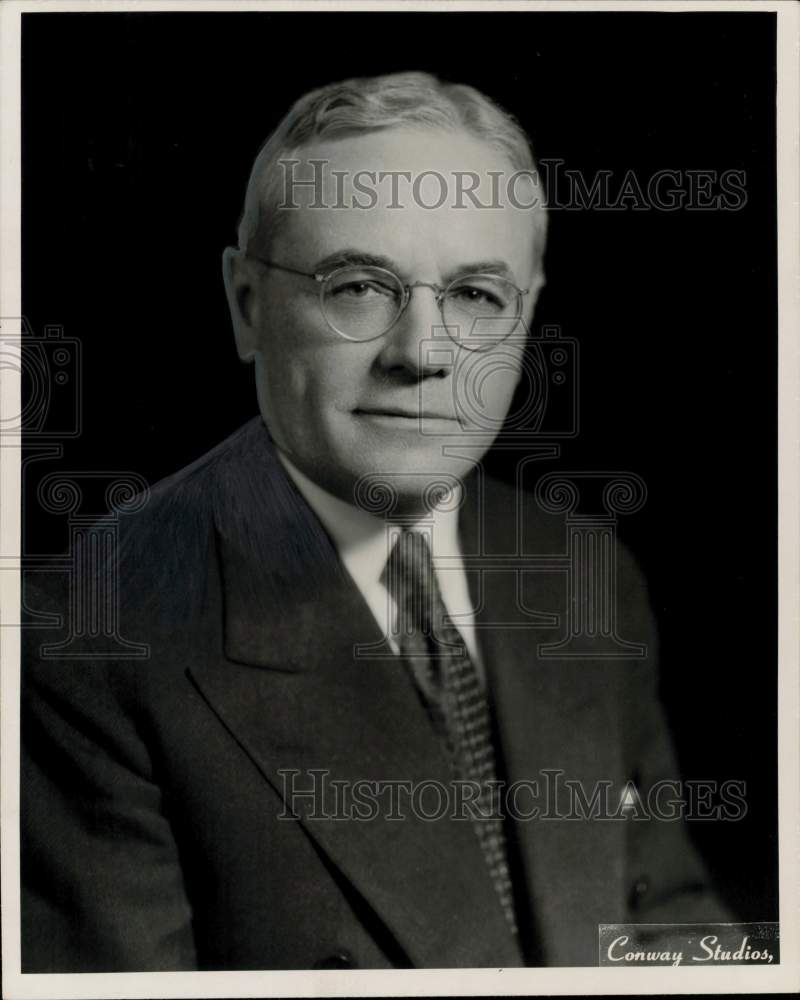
(409, 481)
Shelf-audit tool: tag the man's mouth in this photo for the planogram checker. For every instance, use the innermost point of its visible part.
(399, 413)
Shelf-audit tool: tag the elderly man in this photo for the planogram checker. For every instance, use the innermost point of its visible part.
(334, 646)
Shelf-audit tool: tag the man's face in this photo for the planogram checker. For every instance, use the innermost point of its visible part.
(394, 405)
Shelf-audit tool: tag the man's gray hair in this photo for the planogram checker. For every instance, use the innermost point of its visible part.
(370, 104)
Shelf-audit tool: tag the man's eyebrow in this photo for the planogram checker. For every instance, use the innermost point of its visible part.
(495, 266)
(351, 256)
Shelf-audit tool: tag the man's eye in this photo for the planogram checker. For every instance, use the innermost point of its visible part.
(473, 296)
(361, 290)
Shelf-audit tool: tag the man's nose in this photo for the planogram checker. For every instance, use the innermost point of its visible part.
(418, 343)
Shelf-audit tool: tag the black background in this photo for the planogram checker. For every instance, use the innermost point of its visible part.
(138, 134)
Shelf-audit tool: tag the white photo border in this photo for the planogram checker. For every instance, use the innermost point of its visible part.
(443, 982)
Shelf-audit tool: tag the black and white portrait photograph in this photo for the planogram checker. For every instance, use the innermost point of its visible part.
(400, 565)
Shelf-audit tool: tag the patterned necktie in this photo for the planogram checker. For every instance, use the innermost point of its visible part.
(452, 692)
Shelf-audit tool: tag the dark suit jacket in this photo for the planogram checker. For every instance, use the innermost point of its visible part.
(155, 831)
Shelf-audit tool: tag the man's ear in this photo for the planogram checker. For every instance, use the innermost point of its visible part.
(535, 286)
(243, 301)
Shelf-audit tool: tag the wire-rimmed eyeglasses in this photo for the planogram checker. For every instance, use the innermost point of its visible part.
(363, 302)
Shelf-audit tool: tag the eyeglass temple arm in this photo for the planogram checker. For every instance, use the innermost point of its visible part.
(283, 267)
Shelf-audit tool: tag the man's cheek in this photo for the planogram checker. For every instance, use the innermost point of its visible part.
(484, 389)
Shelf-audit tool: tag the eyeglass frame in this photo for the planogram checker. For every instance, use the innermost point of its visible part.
(440, 291)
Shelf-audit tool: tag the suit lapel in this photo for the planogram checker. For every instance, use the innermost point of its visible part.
(299, 696)
(551, 716)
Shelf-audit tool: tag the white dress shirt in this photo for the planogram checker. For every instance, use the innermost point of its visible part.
(364, 543)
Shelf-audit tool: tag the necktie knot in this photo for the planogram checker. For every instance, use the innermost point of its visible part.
(408, 577)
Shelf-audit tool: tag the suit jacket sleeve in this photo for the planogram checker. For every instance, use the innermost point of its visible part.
(102, 887)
